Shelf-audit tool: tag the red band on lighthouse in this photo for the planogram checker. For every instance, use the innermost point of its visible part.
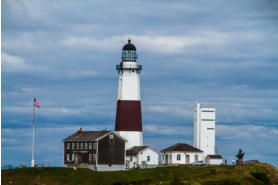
(128, 116)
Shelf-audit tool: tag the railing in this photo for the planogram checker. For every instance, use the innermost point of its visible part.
(138, 68)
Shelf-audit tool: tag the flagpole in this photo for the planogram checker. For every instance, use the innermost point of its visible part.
(33, 142)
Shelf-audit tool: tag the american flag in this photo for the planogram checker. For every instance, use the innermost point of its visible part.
(36, 103)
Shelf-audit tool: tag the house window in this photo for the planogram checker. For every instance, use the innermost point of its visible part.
(170, 157)
(111, 136)
(86, 146)
(77, 146)
(81, 146)
(148, 158)
(90, 157)
(68, 157)
(72, 157)
(196, 157)
(130, 159)
(68, 146)
(162, 157)
(73, 146)
(90, 145)
(94, 145)
(178, 157)
(94, 157)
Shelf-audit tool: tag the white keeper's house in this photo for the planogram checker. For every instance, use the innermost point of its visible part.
(181, 153)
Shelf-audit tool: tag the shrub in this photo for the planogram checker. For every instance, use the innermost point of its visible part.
(261, 177)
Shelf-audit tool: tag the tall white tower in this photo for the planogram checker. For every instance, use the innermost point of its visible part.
(128, 115)
(204, 128)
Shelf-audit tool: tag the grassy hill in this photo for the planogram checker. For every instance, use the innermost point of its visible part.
(258, 174)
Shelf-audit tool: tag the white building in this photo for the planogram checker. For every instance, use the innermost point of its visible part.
(204, 132)
(181, 153)
(214, 159)
(142, 157)
(204, 128)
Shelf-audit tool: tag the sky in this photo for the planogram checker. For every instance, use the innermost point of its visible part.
(64, 53)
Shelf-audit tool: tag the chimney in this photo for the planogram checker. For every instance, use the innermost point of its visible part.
(104, 132)
(79, 131)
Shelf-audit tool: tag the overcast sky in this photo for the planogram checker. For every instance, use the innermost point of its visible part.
(64, 53)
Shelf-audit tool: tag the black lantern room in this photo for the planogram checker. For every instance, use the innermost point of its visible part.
(129, 52)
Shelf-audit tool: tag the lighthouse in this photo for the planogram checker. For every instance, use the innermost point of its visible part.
(128, 114)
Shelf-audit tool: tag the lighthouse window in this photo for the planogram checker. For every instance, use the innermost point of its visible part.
(179, 157)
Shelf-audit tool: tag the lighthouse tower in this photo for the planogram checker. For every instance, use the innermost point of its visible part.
(128, 115)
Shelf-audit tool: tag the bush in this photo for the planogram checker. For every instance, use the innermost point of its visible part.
(261, 177)
(221, 182)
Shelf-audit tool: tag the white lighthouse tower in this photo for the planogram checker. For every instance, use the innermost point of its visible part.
(128, 115)
(204, 128)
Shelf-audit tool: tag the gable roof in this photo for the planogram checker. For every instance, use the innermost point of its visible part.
(181, 147)
(135, 150)
(121, 137)
(85, 135)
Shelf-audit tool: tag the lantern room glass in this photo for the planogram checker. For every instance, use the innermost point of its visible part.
(129, 55)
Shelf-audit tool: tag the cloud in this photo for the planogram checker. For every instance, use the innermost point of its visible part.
(15, 64)
(248, 132)
(167, 130)
(158, 44)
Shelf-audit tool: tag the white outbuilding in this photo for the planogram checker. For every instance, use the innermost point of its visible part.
(214, 159)
(141, 157)
(181, 153)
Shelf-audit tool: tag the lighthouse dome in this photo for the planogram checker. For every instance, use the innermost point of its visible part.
(129, 52)
(129, 46)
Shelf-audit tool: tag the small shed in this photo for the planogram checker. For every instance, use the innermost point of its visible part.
(141, 157)
(214, 159)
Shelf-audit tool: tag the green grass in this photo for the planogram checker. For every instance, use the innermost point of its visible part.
(259, 174)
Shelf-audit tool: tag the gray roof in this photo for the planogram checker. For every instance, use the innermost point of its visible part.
(181, 147)
(85, 135)
(135, 150)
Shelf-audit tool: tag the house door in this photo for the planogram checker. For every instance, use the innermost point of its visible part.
(166, 159)
(84, 157)
(187, 159)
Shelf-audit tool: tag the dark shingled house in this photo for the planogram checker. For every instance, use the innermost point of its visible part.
(97, 150)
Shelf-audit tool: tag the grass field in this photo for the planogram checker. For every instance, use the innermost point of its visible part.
(258, 174)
